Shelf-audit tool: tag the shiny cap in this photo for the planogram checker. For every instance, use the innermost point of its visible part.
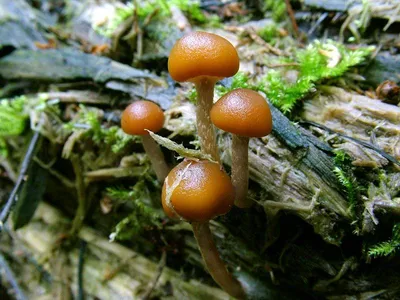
(202, 191)
(242, 112)
(200, 54)
(142, 115)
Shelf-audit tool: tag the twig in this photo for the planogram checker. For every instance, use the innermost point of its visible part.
(292, 18)
(19, 295)
(12, 199)
(362, 143)
(80, 270)
(153, 284)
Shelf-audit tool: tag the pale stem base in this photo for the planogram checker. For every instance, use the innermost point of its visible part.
(240, 170)
(214, 264)
(156, 157)
(205, 128)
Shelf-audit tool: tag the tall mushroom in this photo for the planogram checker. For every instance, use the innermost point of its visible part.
(244, 113)
(139, 117)
(203, 58)
(198, 191)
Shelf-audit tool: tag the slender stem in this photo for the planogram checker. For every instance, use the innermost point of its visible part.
(213, 262)
(205, 128)
(240, 170)
(156, 157)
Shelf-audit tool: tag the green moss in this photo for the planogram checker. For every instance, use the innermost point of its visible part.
(345, 174)
(269, 33)
(240, 80)
(191, 9)
(277, 9)
(387, 248)
(318, 62)
(161, 10)
(13, 116)
(3, 148)
(113, 136)
(142, 217)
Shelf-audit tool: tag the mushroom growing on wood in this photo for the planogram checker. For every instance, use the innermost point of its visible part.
(244, 113)
(139, 117)
(203, 58)
(198, 191)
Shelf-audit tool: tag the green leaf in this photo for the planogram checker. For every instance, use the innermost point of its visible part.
(30, 196)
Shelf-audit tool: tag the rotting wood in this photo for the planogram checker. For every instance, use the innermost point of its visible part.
(39, 238)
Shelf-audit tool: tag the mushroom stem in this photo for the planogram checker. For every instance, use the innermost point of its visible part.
(240, 170)
(156, 157)
(214, 264)
(205, 128)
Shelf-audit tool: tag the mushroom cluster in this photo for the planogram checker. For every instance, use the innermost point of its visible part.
(199, 190)
(203, 58)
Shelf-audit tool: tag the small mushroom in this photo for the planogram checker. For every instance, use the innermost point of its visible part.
(389, 92)
(203, 58)
(139, 117)
(244, 113)
(198, 191)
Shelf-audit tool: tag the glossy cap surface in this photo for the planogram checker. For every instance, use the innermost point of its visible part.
(142, 115)
(204, 192)
(242, 112)
(199, 54)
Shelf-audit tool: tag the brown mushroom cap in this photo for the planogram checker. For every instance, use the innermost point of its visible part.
(204, 192)
(242, 112)
(142, 115)
(199, 54)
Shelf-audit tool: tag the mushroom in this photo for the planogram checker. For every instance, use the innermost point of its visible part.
(244, 113)
(198, 191)
(137, 119)
(203, 58)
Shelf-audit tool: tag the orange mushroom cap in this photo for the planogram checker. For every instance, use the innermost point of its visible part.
(199, 54)
(242, 112)
(204, 191)
(142, 115)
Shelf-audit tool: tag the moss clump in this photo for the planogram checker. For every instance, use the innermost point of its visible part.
(269, 33)
(277, 9)
(13, 116)
(389, 247)
(318, 62)
(143, 215)
(90, 120)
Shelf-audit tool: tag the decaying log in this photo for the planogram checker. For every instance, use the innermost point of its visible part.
(111, 271)
(358, 117)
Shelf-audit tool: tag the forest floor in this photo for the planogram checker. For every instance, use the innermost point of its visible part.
(81, 215)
